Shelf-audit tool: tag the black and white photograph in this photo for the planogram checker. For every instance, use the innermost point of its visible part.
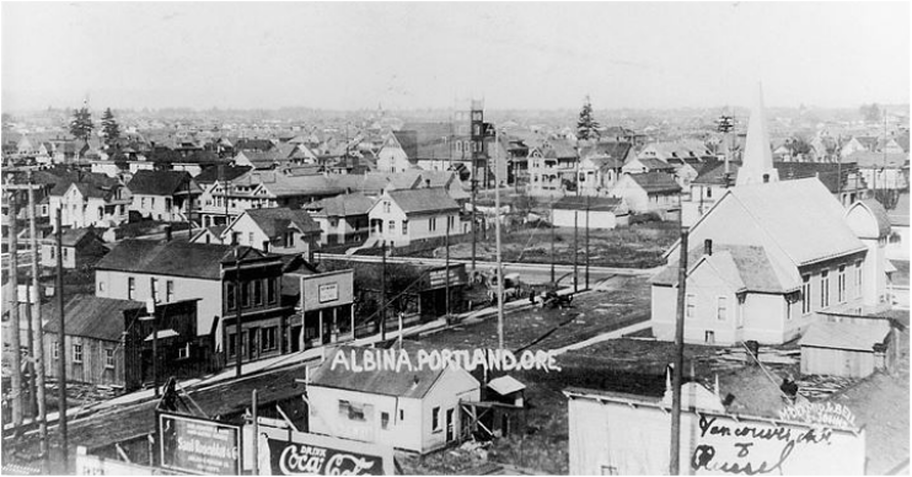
(455, 238)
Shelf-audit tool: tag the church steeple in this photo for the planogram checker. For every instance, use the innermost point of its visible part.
(757, 166)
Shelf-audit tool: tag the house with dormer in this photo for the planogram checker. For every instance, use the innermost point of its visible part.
(278, 230)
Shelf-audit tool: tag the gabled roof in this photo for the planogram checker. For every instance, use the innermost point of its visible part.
(423, 201)
(746, 268)
(846, 335)
(174, 258)
(655, 164)
(413, 384)
(801, 217)
(72, 237)
(274, 221)
(210, 174)
(90, 184)
(615, 150)
(346, 205)
(92, 317)
(163, 183)
(879, 214)
(655, 181)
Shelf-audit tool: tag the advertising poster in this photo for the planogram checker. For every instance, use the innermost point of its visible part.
(284, 452)
(199, 446)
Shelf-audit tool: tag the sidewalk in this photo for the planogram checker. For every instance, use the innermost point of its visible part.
(618, 333)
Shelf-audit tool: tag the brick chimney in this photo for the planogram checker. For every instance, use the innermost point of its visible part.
(708, 247)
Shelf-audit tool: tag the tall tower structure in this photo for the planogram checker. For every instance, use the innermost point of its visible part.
(757, 166)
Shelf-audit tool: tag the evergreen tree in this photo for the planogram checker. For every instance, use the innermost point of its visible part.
(81, 125)
(110, 128)
(586, 127)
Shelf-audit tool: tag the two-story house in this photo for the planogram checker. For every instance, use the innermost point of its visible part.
(279, 230)
(342, 218)
(600, 167)
(552, 168)
(402, 216)
(93, 200)
(656, 192)
(81, 249)
(262, 189)
(168, 196)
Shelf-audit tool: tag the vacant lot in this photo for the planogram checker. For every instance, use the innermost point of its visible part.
(637, 246)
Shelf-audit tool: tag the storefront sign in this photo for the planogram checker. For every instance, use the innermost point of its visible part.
(199, 446)
(328, 292)
(284, 452)
(437, 278)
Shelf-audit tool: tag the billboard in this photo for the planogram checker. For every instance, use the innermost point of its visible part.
(286, 452)
(199, 446)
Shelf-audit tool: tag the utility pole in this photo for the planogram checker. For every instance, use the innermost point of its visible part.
(31, 407)
(474, 232)
(38, 343)
(383, 293)
(587, 242)
(552, 242)
(153, 311)
(500, 284)
(61, 351)
(256, 432)
(237, 315)
(575, 250)
(16, 348)
(447, 267)
(674, 466)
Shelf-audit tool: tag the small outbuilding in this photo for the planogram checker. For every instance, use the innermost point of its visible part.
(852, 349)
(603, 213)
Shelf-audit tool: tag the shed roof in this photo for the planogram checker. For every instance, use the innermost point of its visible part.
(92, 317)
(608, 204)
(346, 205)
(846, 335)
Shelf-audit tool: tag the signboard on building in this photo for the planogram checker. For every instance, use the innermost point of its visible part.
(324, 290)
(328, 292)
(199, 446)
(437, 277)
(286, 452)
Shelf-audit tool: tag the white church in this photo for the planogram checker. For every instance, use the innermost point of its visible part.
(768, 255)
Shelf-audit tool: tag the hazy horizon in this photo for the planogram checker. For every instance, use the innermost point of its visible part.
(417, 56)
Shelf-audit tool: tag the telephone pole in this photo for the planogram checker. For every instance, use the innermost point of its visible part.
(16, 348)
(237, 316)
(447, 269)
(38, 339)
(383, 293)
(674, 466)
(575, 250)
(552, 243)
(500, 284)
(587, 242)
(61, 351)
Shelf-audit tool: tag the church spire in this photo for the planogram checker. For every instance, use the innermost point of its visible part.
(757, 163)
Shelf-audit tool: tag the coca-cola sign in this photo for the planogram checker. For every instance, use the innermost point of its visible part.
(294, 453)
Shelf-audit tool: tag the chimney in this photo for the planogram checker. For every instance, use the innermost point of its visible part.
(708, 247)
(167, 233)
(427, 182)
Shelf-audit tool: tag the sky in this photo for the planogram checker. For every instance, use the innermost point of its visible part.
(414, 55)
